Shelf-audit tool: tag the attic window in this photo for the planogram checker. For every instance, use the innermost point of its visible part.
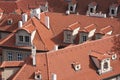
(84, 38)
(91, 10)
(27, 39)
(9, 21)
(71, 8)
(105, 65)
(113, 11)
(21, 38)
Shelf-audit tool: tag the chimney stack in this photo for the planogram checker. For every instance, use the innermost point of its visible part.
(56, 47)
(54, 76)
(20, 24)
(24, 18)
(34, 55)
(47, 22)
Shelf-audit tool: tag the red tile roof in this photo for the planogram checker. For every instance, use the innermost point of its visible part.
(99, 56)
(90, 27)
(73, 26)
(48, 63)
(106, 29)
(8, 64)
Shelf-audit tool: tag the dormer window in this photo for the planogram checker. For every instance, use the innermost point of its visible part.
(101, 61)
(71, 32)
(113, 10)
(105, 65)
(9, 21)
(25, 36)
(92, 7)
(84, 38)
(72, 6)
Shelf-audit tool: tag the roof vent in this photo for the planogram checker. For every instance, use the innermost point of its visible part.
(56, 47)
(9, 21)
(76, 66)
(24, 17)
(114, 56)
(38, 75)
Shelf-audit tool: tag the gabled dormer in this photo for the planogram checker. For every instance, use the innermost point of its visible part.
(113, 10)
(72, 6)
(71, 32)
(92, 7)
(25, 36)
(101, 62)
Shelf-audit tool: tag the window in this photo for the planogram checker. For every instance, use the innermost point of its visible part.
(26, 38)
(91, 10)
(21, 38)
(68, 36)
(19, 57)
(112, 11)
(105, 65)
(84, 38)
(71, 8)
(10, 56)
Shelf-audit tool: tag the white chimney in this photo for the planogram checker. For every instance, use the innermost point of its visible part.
(20, 24)
(47, 22)
(24, 18)
(54, 76)
(34, 55)
(37, 12)
(56, 47)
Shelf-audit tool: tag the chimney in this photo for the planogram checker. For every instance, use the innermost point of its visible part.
(47, 22)
(56, 47)
(37, 12)
(54, 76)
(24, 18)
(20, 24)
(34, 55)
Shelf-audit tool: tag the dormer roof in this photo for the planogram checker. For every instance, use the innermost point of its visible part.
(99, 56)
(106, 30)
(73, 26)
(90, 27)
(29, 28)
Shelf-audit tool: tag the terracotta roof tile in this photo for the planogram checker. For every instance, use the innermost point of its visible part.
(90, 27)
(99, 56)
(106, 29)
(8, 64)
(48, 63)
(73, 26)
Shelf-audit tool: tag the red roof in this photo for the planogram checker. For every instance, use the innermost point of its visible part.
(73, 26)
(106, 29)
(90, 27)
(49, 63)
(8, 64)
(99, 56)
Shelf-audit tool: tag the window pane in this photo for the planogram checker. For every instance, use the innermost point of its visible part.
(20, 38)
(26, 38)
(19, 57)
(84, 38)
(10, 56)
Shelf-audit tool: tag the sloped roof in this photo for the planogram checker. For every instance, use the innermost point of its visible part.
(59, 62)
(73, 26)
(106, 29)
(8, 64)
(42, 39)
(9, 28)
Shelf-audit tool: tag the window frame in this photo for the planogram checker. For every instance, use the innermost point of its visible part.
(19, 56)
(10, 56)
